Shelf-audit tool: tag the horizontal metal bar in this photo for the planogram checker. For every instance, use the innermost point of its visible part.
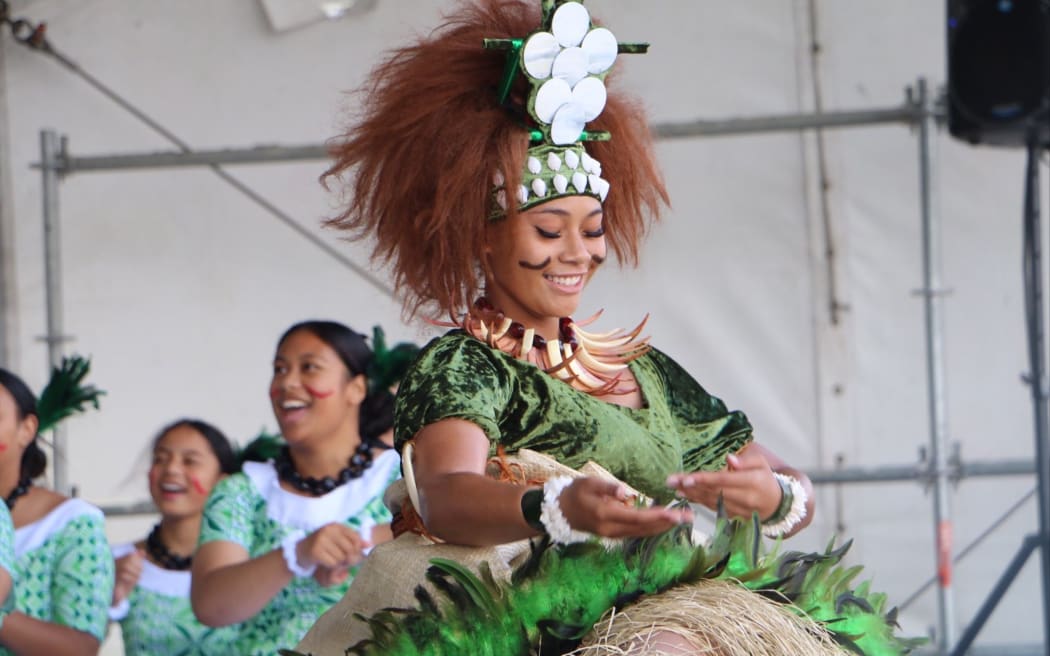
(894, 473)
(168, 159)
(907, 113)
(885, 474)
(133, 508)
(996, 468)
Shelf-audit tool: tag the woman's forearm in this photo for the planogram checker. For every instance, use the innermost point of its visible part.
(227, 594)
(5, 584)
(25, 635)
(492, 515)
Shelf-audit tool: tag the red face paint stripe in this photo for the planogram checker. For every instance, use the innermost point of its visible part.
(318, 394)
(197, 485)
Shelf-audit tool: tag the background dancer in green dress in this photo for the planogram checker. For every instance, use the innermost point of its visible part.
(151, 598)
(7, 554)
(281, 540)
(63, 567)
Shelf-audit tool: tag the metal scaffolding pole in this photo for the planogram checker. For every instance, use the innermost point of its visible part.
(50, 154)
(920, 472)
(932, 294)
(909, 114)
(178, 158)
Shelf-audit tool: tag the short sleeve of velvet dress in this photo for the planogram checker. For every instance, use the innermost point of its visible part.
(454, 377)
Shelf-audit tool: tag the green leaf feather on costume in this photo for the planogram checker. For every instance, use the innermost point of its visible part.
(265, 446)
(559, 593)
(388, 365)
(65, 395)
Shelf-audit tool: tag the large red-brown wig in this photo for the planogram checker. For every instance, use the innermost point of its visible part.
(418, 161)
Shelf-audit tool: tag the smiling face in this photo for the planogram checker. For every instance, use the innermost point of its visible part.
(184, 471)
(314, 395)
(16, 433)
(540, 260)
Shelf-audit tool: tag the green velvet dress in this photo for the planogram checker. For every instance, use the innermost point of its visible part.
(679, 428)
(555, 598)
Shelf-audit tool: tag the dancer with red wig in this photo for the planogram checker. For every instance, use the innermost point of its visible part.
(495, 171)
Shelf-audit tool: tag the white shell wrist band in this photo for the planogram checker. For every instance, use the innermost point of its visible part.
(291, 559)
(553, 520)
(792, 508)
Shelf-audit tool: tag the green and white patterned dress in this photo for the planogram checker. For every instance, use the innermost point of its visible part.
(252, 510)
(156, 619)
(64, 570)
(7, 556)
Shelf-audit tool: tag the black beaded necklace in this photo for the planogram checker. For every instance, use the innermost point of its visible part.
(160, 554)
(23, 486)
(359, 462)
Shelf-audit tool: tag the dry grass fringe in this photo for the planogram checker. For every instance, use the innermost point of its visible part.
(716, 618)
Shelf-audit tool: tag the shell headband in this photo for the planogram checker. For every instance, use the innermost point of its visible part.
(565, 62)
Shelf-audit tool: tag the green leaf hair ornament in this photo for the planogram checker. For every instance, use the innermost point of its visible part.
(65, 394)
(388, 365)
(264, 446)
(565, 62)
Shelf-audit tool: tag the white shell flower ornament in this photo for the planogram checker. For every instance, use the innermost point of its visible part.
(566, 65)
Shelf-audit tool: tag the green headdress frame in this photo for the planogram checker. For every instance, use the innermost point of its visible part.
(565, 62)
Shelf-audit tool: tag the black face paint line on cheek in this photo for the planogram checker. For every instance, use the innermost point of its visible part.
(535, 267)
(597, 259)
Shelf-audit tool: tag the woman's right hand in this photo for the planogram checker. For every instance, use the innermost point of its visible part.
(128, 571)
(605, 508)
(334, 547)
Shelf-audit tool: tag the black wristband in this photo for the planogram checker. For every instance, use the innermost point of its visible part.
(787, 497)
(531, 502)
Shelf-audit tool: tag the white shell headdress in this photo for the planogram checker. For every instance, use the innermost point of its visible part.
(566, 62)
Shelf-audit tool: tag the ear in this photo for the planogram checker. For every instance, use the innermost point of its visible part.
(485, 267)
(356, 390)
(484, 260)
(27, 431)
(491, 234)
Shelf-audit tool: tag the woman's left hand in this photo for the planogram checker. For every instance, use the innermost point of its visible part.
(329, 576)
(746, 485)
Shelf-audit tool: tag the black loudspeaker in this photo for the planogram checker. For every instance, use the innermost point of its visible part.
(999, 71)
